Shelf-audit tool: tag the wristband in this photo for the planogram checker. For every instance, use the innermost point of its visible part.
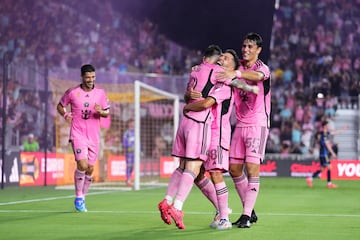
(238, 74)
(66, 115)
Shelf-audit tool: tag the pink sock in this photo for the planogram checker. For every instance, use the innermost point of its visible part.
(79, 179)
(87, 182)
(251, 195)
(241, 185)
(208, 189)
(222, 196)
(174, 183)
(186, 183)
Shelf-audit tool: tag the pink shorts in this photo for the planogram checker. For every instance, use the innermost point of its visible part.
(248, 144)
(192, 139)
(218, 160)
(83, 149)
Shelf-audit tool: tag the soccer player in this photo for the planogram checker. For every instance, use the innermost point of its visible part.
(192, 142)
(217, 162)
(325, 150)
(88, 104)
(252, 125)
(206, 186)
(129, 146)
(220, 101)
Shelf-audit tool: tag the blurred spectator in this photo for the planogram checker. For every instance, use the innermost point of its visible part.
(126, 44)
(31, 144)
(159, 147)
(315, 66)
(316, 49)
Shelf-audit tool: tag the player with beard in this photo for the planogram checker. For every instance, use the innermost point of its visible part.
(88, 104)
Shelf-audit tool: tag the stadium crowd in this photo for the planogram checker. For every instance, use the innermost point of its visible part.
(111, 40)
(315, 58)
(315, 62)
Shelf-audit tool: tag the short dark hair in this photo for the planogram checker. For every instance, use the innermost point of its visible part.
(236, 57)
(87, 68)
(212, 50)
(324, 122)
(254, 37)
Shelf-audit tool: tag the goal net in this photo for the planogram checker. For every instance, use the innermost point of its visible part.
(155, 114)
(156, 122)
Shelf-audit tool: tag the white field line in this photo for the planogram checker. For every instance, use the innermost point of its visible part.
(149, 212)
(48, 199)
(188, 213)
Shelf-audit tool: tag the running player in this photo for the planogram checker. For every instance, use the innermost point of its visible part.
(326, 150)
(88, 104)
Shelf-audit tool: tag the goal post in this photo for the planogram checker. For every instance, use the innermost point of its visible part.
(155, 114)
(146, 94)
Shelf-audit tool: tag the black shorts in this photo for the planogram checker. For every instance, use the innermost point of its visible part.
(324, 161)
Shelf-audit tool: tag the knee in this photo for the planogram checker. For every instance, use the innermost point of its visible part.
(82, 165)
(200, 176)
(235, 170)
(232, 172)
(217, 177)
(89, 170)
(251, 173)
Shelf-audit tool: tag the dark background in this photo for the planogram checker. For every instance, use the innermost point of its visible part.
(197, 23)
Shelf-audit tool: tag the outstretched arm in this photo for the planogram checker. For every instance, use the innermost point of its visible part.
(337, 131)
(248, 75)
(244, 86)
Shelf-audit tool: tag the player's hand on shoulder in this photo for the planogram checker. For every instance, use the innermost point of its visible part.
(224, 75)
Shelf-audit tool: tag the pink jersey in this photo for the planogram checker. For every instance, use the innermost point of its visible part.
(252, 109)
(202, 80)
(218, 154)
(220, 127)
(85, 123)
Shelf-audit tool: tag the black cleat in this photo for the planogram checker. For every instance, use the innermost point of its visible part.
(237, 222)
(244, 222)
(253, 217)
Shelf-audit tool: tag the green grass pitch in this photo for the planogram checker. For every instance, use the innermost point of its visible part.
(286, 207)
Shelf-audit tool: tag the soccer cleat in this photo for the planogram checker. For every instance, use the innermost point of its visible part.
(216, 220)
(309, 182)
(164, 211)
(224, 224)
(80, 204)
(129, 183)
(177, 216)
(253, 217)
(331, 185)
(236, 222)
(244, 221)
